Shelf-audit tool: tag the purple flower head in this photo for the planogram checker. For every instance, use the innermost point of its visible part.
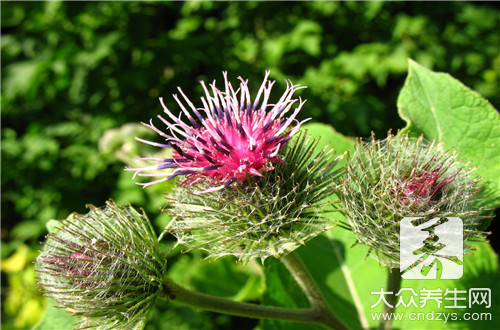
(228, 139)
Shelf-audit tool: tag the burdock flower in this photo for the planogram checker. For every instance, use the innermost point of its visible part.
(408, 177)
(104, 266)
(231, 137)
(266, 216)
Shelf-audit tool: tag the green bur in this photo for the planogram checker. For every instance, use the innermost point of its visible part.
(263, 216)
(408, 177)
(104, 266)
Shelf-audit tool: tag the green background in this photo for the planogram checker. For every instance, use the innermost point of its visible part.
(77, 77)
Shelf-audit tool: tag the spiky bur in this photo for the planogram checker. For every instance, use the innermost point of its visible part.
(228, 139)
(401, 177)
(104, 266)
(266, 216)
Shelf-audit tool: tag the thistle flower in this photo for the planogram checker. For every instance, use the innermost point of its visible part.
(104, 266)
(407, 177)
(264, 216)
(229, 139)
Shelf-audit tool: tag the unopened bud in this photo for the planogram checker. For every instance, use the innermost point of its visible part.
(104, 266)
(407, 177)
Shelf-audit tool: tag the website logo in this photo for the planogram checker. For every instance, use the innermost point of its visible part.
(431, 249)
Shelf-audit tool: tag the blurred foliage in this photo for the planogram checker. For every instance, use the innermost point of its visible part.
(74, 74)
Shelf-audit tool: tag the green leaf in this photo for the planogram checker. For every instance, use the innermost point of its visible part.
(285, 292)
(328, 136)
(55, 316)
(442, 108)
(344, 275)
(222, 278)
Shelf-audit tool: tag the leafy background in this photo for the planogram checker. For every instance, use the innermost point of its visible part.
(78, 76)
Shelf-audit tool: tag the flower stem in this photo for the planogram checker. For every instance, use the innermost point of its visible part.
(393, 285)
(318, 303)
(178, 294)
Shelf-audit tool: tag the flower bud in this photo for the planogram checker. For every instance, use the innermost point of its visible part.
(407, 177)
(263, 216)
(104, 266)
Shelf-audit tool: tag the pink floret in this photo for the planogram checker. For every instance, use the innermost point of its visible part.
(229, 139)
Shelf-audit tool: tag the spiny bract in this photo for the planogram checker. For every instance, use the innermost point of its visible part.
(401, 177)
(261, 217)
(104, 266)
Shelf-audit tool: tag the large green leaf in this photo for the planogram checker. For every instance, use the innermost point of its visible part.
(341, 275)
(328, 136)
(442, 108)
(223, 278)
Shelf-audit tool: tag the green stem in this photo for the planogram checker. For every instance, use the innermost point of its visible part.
(301, 274)
(393, 285)
(178, 294)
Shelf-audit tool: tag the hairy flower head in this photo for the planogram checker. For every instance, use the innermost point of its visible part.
(104, 266)
(264, 216)
(401, 177)
(228, 139)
